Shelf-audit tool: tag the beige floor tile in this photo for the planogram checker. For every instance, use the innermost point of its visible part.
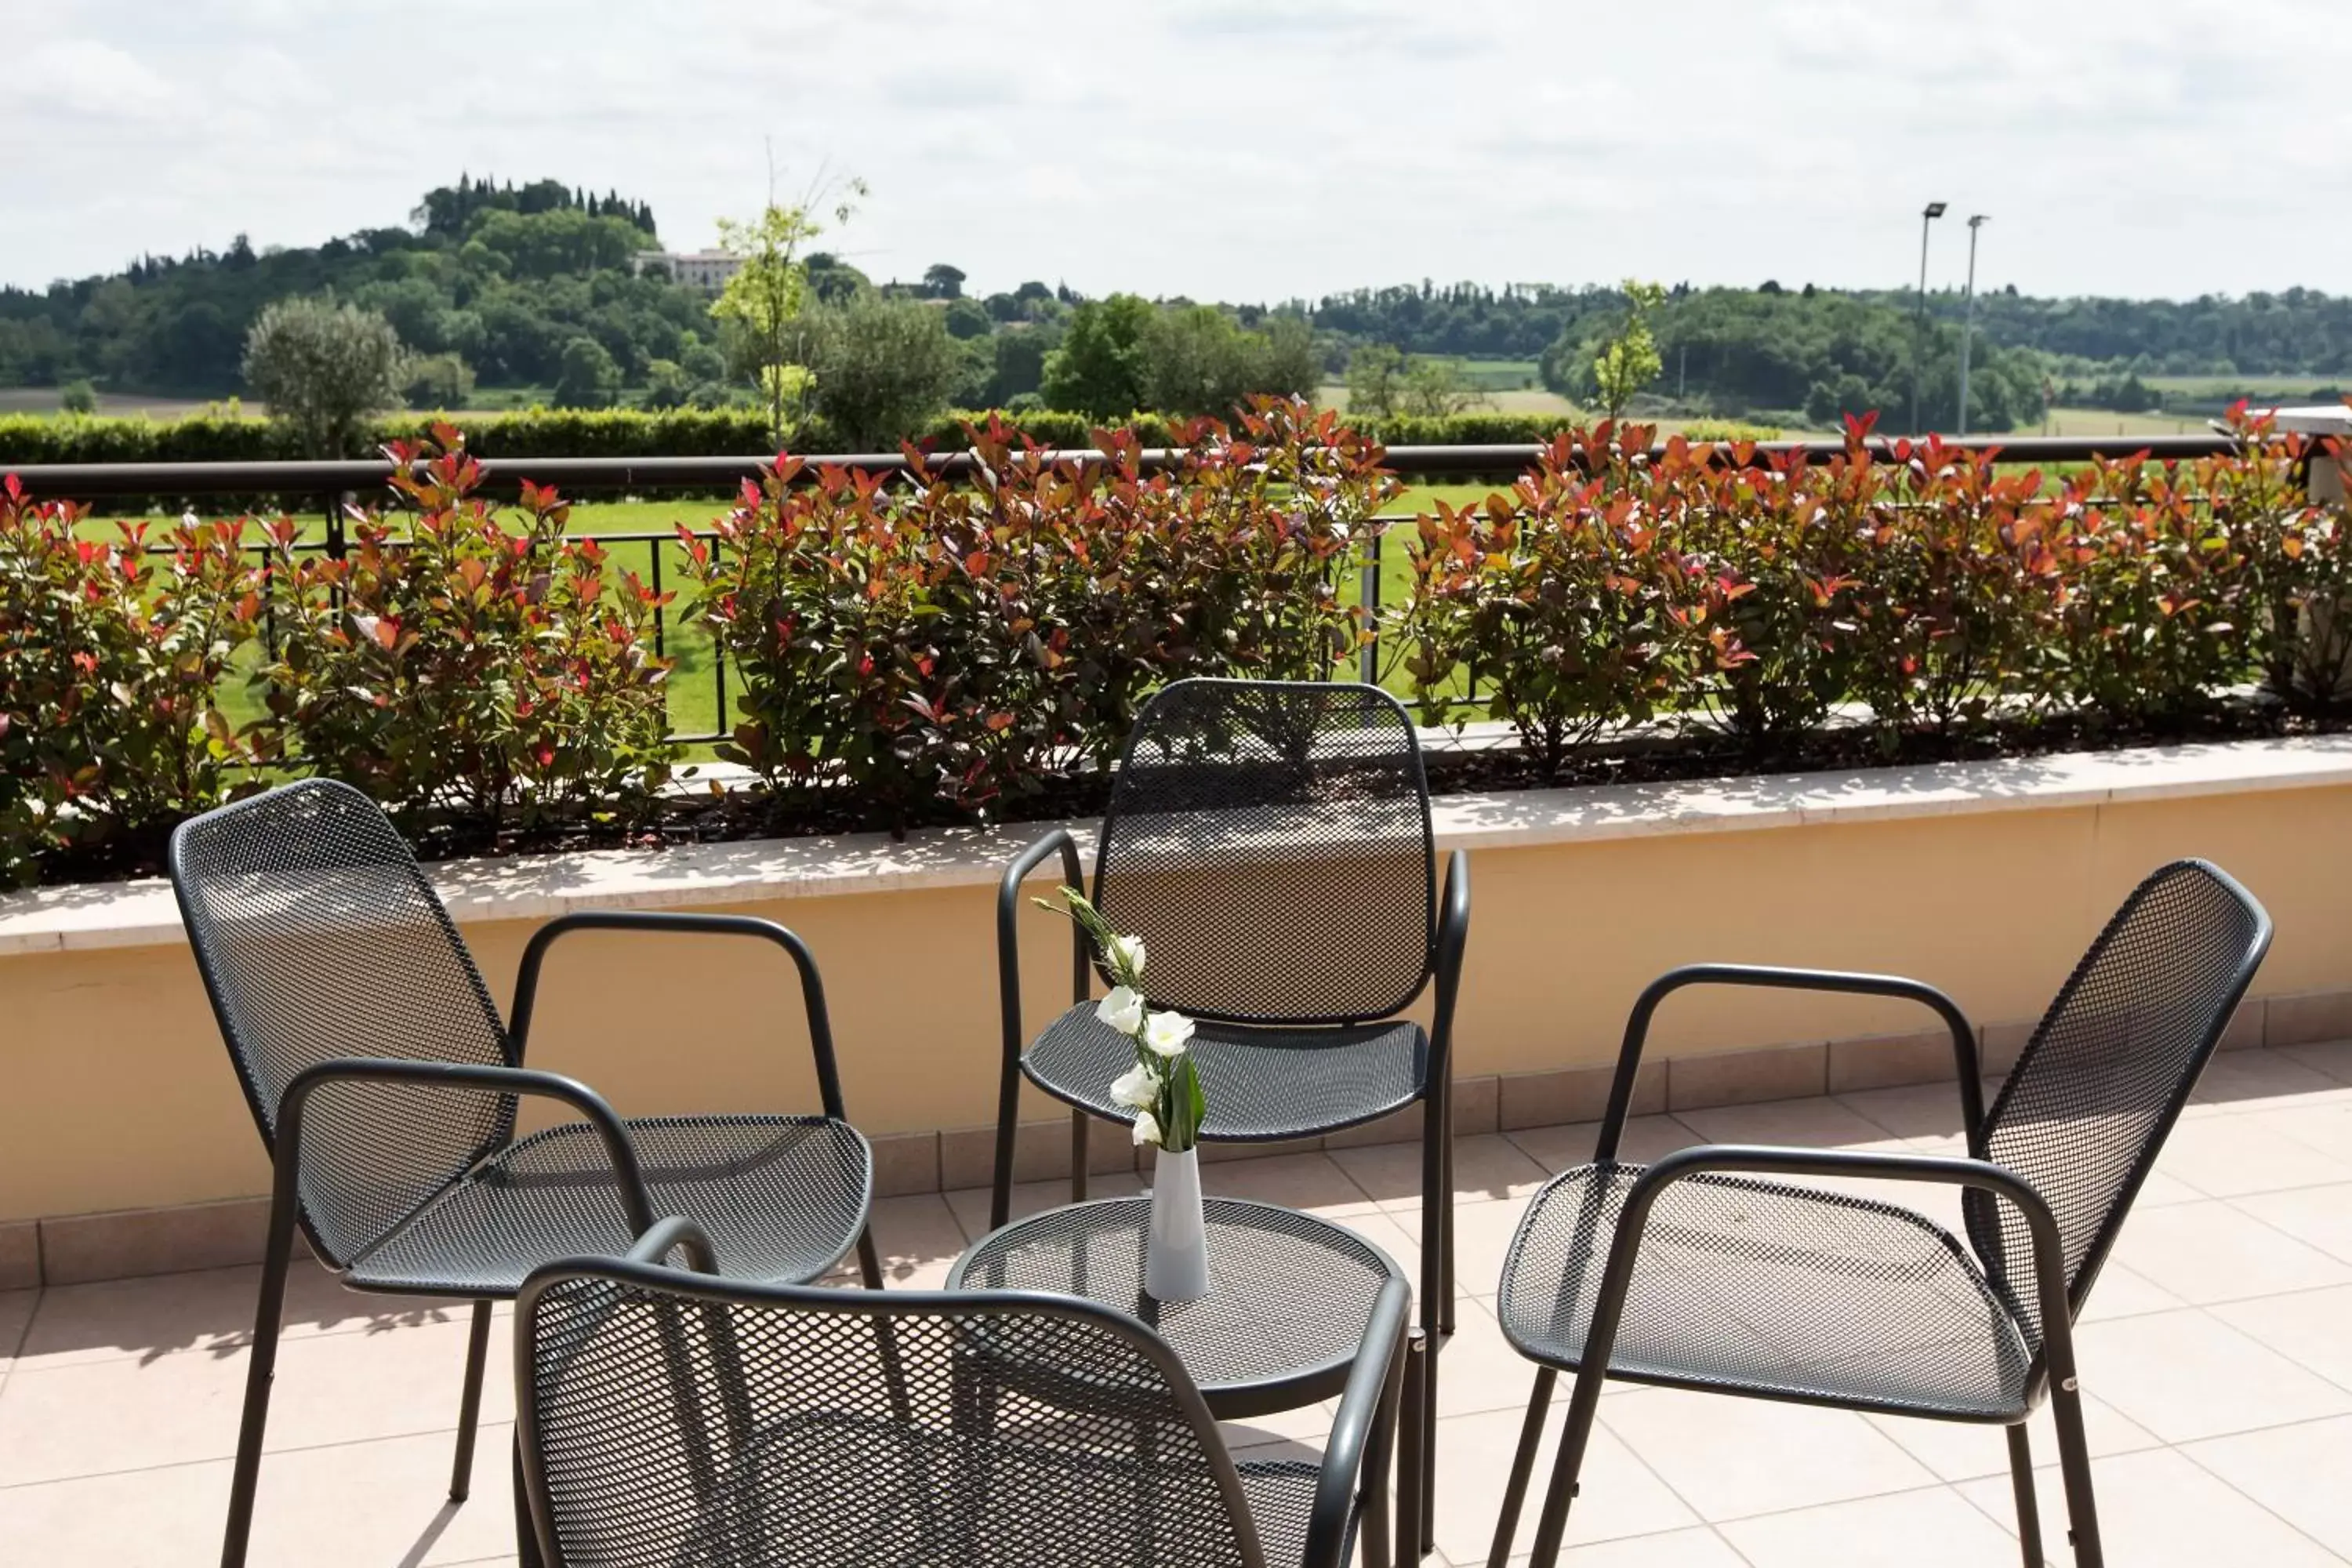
(1918, 1110)
(2316, 1216)
(2186, 1374)
(1933, 1528)
(211, 1310)
(2236, 1082)
(2118, 1293)
(2325, 1128)
(1817, 1123)
(2208, 1252)
(1618, 1497)
(2296, 1472)
(97, 1418)
(2159, 1509)
(1730, 1457)
(1305, 1429)
(2333, 1058)
(368, 1505)
(1485, 1168)
(16, 1316)
(1482, 1236)
(2310, 1328)
(1311, 1181)
(1646, 1138)
(2227, 1156)
(1962, 1450)
(918, 1240)
(1700, 1548)
(969, 1205)
(1479, 1371)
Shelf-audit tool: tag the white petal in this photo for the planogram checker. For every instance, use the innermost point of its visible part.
(1166, 1033)
(1136, 1087)
(1146, 1128)
(1121, 1010)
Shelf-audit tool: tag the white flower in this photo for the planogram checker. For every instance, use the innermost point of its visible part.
(1166, 1034)
(1146, 1128)
(1122, 1010)
(1136, 1087)
(1127, 951)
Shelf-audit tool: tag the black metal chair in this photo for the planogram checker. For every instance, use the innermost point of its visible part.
(387, 1088)
(1692, 1273)
(1271, 841)
(668, 1416)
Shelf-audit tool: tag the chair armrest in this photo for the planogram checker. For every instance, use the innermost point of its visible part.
(1637, 1030)
(668, 1235)
(287, 1143)
(1356, 1432)
(1453, 936)
(1008, 932)
(820, 1025)
(2049, 1249)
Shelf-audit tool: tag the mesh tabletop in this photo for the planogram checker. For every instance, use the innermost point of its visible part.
(1290, 1301)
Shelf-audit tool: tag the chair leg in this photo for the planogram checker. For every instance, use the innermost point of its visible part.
(869, 1263)
(1584, 1406)
(527, 1553)
(1436, 1221)
(259, 1372)
(1079, 1120)
(2028, 1511)
(1372, 1500)
(2074, 1465)
(1446, 1298)
(1412, 1532)
(1008, 1124)
(1523, 1464)
(469, 1404)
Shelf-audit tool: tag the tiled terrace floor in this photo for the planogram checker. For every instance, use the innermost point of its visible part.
(2216, 1354)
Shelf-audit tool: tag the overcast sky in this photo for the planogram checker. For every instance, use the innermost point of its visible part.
(1232, 149)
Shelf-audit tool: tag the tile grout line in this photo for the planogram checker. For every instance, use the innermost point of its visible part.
(485, 1425)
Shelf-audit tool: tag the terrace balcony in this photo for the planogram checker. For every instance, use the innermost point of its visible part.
(2214, 1354)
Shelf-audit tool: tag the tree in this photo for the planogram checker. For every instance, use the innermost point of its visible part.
(667, 385)
(589, 376)
(77, 397)
(883, 368)
(1019, 364)
(1373, 372)
(1434, 388)
(765, 299)
(323, 368)
(438, 380)
(1101, 369)
(968, 319)
(1628, 360)
(942, 281)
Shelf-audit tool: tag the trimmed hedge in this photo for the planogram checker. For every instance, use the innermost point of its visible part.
(686, 432)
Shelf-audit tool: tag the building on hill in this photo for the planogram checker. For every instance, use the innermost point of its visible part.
(708, 270)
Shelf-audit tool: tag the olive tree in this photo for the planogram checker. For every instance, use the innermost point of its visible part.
(324, 368)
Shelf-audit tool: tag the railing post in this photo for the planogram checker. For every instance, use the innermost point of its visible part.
(1370, 667)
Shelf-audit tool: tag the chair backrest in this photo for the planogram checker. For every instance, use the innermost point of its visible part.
(1271, 842)
(672, 1417)
(2090, 1101)
(317, 937)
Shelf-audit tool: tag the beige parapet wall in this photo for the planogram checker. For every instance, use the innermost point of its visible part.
(126, 1148)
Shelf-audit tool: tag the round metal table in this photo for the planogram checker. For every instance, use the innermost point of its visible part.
(1290, 1296)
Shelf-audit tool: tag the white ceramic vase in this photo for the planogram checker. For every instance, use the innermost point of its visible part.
(1176, 1254)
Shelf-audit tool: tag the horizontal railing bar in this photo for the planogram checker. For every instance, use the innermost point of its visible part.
(81, 480)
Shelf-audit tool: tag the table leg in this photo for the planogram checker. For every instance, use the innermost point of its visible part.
(1412, 1530)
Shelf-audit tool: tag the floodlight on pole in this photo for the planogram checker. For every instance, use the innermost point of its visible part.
(1969, 316)
(1928, 215)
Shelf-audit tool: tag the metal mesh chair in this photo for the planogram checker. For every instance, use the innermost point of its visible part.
(1271, 841)
(1702, 1271)
(387, 1088)
(668, 1416)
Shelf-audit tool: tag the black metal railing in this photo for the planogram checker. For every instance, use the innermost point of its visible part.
(333, 485)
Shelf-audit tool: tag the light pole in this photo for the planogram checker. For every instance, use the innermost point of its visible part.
(1928, 215)
(1969, 316)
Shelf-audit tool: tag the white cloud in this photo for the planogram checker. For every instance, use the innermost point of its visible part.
(1233, 149)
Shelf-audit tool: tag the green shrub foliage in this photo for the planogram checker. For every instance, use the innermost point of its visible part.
(906, 650)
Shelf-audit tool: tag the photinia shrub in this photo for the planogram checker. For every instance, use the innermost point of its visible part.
(112, 657)
(454, 667)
